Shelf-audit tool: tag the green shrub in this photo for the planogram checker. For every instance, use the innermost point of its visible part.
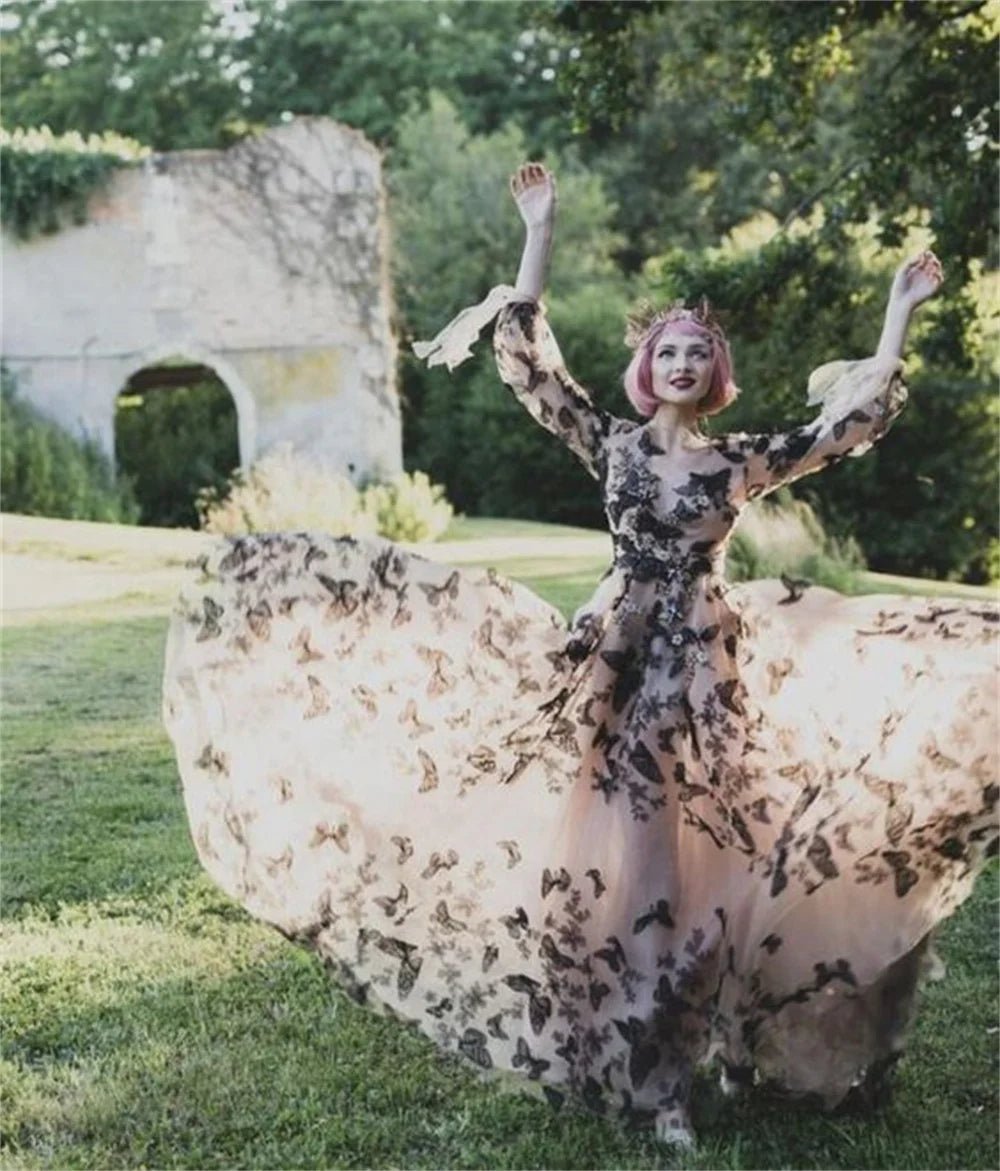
(174, 444)
(285, 490)
(783, 535)
(47, 179)
(47, 471)
(408, 508)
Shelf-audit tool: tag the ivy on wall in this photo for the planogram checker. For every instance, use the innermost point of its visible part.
(47, 179)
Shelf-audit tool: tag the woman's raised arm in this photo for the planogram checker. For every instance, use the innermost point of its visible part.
(859, 399)
(528, 357)
(534, 191)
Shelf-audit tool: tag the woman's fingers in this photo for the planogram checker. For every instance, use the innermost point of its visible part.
(529, 175)
(924, 264)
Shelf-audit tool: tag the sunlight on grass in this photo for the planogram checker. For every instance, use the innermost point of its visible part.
(477, 528)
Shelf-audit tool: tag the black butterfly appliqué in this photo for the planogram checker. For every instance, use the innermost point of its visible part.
(613, 955)
(409, 962)
(599, 885)
(523, 1058)
(494, 1026)
(392, 906)
(554, 956)
(559, 880)
(211, 613)
(515, 923)
(904, 876)
(539, 1004)
(444, 919)
(644, 1056)
(436, 594)
(343, 593)
(472, 1044)
(658, 913)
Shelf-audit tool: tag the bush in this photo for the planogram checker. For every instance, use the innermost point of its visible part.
(46, 471)
(409, 508)
(784, 536)
(286, 490)
(47, 179)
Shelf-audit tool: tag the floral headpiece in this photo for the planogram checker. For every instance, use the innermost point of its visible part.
(640, 323)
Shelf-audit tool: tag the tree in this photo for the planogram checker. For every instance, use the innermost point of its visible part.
(165, 74)
(855, 124)
(370, 64)
(196, 74)
(884, 108)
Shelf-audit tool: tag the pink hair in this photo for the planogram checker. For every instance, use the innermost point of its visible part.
(639, 375)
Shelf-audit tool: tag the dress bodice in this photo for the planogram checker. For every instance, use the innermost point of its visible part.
(668, 515)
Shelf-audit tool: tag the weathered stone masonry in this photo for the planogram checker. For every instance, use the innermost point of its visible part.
(266, 262)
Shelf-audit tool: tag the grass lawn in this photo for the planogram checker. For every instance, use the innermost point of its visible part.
(149, 1022)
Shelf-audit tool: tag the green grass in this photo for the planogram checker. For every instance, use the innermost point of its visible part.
(475, 528)
(149, 1022)
(869, 582)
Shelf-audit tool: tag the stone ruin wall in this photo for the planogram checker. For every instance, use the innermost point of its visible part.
(266, 262)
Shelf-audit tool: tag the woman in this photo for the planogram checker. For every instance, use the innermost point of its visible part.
(596, 857)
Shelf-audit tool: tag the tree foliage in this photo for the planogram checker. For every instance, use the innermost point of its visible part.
(174, 444)
(869, 107)
(371, 64)
(197, 73)
(166, 74)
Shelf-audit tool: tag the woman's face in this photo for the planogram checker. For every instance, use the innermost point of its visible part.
(681, 370)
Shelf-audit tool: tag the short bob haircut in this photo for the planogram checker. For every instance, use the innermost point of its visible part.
(639, 375)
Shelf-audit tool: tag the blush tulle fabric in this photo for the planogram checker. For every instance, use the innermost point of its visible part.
(697, 820)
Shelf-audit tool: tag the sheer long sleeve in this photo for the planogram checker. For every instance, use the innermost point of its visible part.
(859, 400)
(530, 363)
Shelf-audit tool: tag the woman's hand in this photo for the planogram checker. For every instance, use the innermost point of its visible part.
(534, 191)
(916, 280)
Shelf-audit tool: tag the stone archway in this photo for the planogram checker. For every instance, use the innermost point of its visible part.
(266, 262)
(228, 375)
(181, 426)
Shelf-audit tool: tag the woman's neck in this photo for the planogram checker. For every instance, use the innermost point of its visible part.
(676, 427)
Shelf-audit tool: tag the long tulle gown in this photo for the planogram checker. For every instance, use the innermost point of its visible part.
(700, 820)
